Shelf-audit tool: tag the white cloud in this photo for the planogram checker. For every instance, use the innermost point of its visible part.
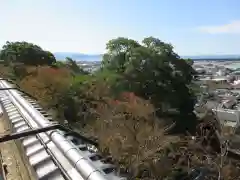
(231, 28)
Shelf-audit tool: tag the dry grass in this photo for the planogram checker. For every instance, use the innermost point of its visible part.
(5, 71)
(45, 83)
(129, 131)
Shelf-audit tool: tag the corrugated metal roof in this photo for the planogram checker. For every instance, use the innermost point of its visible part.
(43, 151)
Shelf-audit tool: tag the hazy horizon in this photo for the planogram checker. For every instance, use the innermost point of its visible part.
(97, 57)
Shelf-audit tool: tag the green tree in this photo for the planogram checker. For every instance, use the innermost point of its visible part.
(153, 71)
(27, 53)
(118, 53)
(59, 64)
(190, 61)
(72, 65)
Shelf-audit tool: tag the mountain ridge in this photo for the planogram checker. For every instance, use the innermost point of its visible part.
(98, 57)
(230, 56)
(77, 56)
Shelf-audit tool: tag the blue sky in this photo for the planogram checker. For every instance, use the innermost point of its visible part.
(193, 27)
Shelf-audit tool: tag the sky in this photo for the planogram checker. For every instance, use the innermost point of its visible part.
(193, 27)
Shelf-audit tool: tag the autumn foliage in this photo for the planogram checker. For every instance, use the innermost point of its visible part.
(46, 84)
(120, 104)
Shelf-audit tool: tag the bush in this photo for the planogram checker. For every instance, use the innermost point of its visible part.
(47, 84)
(80, 100)
(117, 105)
(128, 130)
(27, 53)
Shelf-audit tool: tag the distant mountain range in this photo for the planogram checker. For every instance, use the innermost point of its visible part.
(98, 57)
(78, 56)
(209, 57)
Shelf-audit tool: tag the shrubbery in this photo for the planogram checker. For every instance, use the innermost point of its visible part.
(27, 53)
(125, 104)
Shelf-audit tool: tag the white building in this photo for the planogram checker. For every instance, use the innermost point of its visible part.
(235, 75)
(227, 117)
(228, 113)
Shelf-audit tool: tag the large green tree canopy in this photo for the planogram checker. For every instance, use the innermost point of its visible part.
(27, 53)
(152, 70)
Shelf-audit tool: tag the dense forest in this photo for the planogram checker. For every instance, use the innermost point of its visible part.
(137, 106)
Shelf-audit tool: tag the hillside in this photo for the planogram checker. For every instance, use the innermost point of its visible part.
(124, 106)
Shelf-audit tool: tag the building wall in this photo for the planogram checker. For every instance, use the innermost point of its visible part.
(227, 116)
(217, 85)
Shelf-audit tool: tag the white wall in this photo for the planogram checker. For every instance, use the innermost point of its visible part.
(228, 115)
